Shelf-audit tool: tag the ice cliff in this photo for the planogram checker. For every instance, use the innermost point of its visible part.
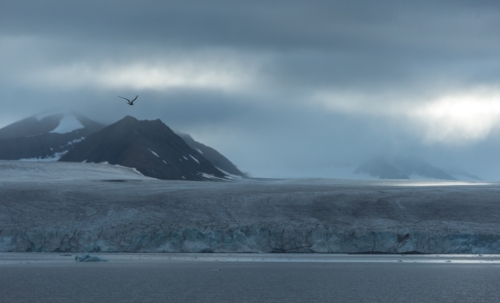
(278, 239)
(101, 212)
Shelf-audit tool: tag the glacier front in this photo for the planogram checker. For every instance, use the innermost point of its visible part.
(80, 207)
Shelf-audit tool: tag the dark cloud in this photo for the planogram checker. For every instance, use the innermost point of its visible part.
(344, 25)
(246, 76)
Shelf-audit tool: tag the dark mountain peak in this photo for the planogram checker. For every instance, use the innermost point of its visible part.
(61, 121)
(149, 146)
(128, 119)
(45, 136)
(130, 127)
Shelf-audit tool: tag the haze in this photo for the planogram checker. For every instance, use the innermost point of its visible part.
(283, 89)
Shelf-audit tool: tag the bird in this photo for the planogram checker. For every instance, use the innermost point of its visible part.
(130, 102)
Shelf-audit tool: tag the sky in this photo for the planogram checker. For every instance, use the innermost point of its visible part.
(281, 88)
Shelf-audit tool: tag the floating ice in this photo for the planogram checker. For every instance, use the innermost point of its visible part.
(88, 258)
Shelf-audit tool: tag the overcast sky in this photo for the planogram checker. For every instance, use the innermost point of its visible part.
(282, 88)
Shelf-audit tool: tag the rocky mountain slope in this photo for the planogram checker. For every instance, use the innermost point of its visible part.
(45, 137)
(216, 158)
(151, 147)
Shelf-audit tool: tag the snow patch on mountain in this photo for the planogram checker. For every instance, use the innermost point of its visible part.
(76, 141)
(55, 156)
(211, 177)
(195, 159)
(68, 124)
(136, 171)
(154, 153)
(52, 158)
(228, 175)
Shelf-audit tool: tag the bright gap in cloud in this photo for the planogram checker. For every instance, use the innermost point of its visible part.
(226, 76)
(455, 118)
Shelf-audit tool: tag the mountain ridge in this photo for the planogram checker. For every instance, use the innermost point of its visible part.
(405, 167)
(150, 147)
(46, 136)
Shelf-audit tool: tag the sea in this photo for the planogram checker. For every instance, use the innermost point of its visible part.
(61, 277)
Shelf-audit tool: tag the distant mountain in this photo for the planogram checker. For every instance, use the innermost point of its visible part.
(462, 174)
(402, 168)
(45, 137)
(216, 158)
(380, 168)
(151, 147)
(417, 168)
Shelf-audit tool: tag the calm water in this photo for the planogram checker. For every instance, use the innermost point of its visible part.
(249, 278)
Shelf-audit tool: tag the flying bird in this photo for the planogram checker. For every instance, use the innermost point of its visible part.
(130, 102)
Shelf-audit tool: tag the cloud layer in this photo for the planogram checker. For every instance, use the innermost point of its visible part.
(282, 88)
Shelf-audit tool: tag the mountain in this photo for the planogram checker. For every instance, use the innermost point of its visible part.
(45, 137)
(402, 168)
(462, 174)
(151, 147)
(216, 158)
(380, 168)
(417, 168)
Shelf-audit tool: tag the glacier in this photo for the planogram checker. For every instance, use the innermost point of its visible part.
(81, 207)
